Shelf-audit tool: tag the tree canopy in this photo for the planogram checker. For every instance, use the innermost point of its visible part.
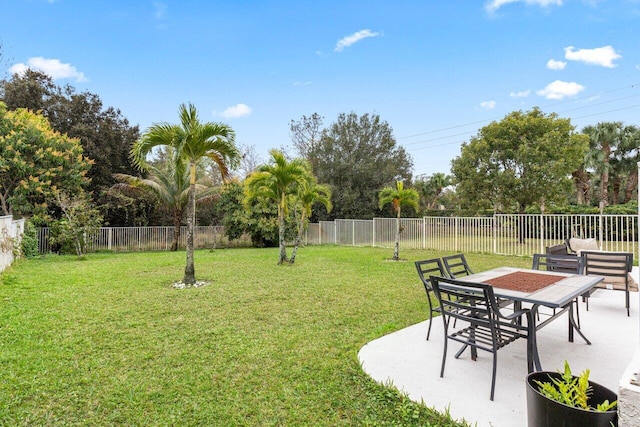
(36, 162)
(105, 135)
(356, 156)
(525, 159)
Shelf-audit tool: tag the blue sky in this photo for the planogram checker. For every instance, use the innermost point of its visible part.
(435, 70)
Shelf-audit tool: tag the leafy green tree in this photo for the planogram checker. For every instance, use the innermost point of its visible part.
(431, 189)
(275, 182)
(525, 159)
(398, 197)
(260, 221)
(80, 221)
(356, 156)
(104, 134)
(192, 141)
(36, 162)
(309, 193)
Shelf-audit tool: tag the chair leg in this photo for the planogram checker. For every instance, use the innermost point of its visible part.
(493, 375)
(430, 316)
(627, 300)
(444, 353)
(429, 330)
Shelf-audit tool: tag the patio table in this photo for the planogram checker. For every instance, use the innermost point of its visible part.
(540, 289)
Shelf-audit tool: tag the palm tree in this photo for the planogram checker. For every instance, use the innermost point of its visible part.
(604, 139)
(276, 181)
(309, 193)
(192, 142)
(398, 197)
(168, 183)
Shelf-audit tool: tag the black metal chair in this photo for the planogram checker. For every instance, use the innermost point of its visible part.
(482, 325)
(427, 268)
(613, 266)
(562, 264)
(456, 265)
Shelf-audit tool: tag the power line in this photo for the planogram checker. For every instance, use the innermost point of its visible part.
(632, 86)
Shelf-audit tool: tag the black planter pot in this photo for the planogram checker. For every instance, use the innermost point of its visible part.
(545, 412)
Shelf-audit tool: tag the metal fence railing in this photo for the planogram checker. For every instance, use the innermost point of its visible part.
(133, 239)
(521, 235)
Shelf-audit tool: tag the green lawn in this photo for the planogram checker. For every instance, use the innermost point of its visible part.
(106, 340)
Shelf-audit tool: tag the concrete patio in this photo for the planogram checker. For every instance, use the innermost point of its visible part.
(412, 364)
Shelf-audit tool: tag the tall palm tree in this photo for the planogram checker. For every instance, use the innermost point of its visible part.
(168, 183)
(192, 141)
(398, 197)
(604, 139)
(276, 181)
(309, 193)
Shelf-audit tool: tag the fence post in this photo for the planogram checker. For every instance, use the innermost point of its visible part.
(542, 232)
(353, 232)
(455, 240)
(335, 232)
(495, 233)
(373, 232)
(110, 238)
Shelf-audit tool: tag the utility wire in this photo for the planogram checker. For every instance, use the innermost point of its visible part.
(632, 86)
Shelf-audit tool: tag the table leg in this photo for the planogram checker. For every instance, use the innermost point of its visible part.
(533, 357)
(574, 326)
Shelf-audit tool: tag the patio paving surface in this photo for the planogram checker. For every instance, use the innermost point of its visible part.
(412, 364)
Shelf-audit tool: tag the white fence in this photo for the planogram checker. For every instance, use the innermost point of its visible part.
(10, 234)
(133, 239)
(521, 235)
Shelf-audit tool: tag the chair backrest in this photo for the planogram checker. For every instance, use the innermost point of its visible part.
(560, 263)
(560, 249)
(608, 264)
(467, 301)
(427, 268)
(456, 265)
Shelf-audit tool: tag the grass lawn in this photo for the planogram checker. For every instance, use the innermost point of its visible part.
(106, 340)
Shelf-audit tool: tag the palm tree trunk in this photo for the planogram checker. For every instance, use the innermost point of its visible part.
(632, 184)
(396, 251)
(177, 218)
(283, 247)
(298, 239)
(190, 270)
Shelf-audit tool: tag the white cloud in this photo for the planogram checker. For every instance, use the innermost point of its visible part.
(552, 64)
(307, 83)
(488, 105)
(160, 9)
(521, 94)
(52, 67)
(603, 56)
(493, 5)
(235, 111)
(559, 90)
(354, 38)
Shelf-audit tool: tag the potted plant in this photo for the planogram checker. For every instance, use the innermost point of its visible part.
(562, 399)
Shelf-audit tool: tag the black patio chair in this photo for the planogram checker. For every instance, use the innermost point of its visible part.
(562, 264)
(427, 268)
(456, 265)
(614, 267)
(481, 324)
